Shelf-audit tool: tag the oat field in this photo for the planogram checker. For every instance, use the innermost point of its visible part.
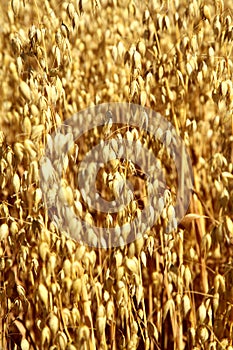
(164, 290)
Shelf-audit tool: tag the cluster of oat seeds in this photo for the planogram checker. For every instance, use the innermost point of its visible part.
(162, 291)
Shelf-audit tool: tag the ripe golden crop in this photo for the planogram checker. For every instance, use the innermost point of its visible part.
(164, 290)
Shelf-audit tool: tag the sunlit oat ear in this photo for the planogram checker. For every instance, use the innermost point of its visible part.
(15, 5)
